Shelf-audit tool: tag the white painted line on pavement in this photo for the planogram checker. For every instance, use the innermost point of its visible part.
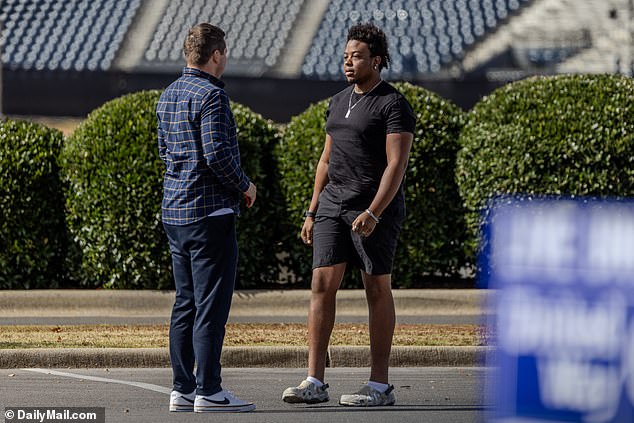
(148, 386)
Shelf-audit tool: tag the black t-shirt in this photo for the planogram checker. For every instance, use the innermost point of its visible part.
(357, 156)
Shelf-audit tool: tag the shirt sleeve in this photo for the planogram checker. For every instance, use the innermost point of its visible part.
(162, 147)
(400, 117)
(219, 147)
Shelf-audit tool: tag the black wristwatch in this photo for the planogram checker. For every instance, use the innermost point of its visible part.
(309, 213)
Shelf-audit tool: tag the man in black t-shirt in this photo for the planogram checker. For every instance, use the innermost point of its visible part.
(356, 212)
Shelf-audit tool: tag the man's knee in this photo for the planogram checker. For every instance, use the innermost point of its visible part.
(377, 286)
(326, 280)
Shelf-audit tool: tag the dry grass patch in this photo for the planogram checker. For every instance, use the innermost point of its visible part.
(149, 336)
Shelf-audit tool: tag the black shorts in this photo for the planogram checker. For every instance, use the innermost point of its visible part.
(334, 242)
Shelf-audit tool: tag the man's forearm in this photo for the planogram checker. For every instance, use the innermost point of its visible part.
(228, 171)
(388, 187)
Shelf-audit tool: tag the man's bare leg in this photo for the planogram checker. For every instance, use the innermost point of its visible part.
(321, 318)
(378, 289)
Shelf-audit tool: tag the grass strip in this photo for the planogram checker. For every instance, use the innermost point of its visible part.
(239, 334)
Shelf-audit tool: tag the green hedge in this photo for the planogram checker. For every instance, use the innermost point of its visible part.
(115, 188)
(298, 153)
(563, 135)
(433, 233)
(114, 175)
(260, 232)
(33, 236)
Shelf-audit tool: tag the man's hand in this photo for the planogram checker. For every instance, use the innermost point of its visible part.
(250, 195)
(363, 225)
(307, 230)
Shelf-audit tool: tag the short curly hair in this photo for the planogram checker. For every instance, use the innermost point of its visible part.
(374, 37)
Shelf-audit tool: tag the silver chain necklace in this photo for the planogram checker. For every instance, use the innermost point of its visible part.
(364, 95)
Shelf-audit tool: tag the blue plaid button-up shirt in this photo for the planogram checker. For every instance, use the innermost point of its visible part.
(198, 143)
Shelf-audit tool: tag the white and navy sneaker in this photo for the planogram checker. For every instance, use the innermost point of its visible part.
(182, 402)
(369, 397)
(307, 392)
(223, 401)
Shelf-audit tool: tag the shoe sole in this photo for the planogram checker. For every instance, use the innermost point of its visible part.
(299, 400)
(181, 408)
(353, 404)
(224, 409)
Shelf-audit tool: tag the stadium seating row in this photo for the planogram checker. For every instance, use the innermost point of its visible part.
(64, 35)
(257, 29)
(425, 36)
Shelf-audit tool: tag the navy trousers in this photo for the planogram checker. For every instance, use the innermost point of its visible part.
(204, 260)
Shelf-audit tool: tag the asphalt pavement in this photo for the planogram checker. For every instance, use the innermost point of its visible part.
(423, 394)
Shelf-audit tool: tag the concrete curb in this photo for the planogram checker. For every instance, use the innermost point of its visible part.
(407, 356)
(271, 357)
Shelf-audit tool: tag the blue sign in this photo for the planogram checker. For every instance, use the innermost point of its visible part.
(563, 311)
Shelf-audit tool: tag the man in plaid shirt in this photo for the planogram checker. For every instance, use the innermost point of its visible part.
(204, 184)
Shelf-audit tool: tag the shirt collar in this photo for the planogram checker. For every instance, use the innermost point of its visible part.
(187, 71)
